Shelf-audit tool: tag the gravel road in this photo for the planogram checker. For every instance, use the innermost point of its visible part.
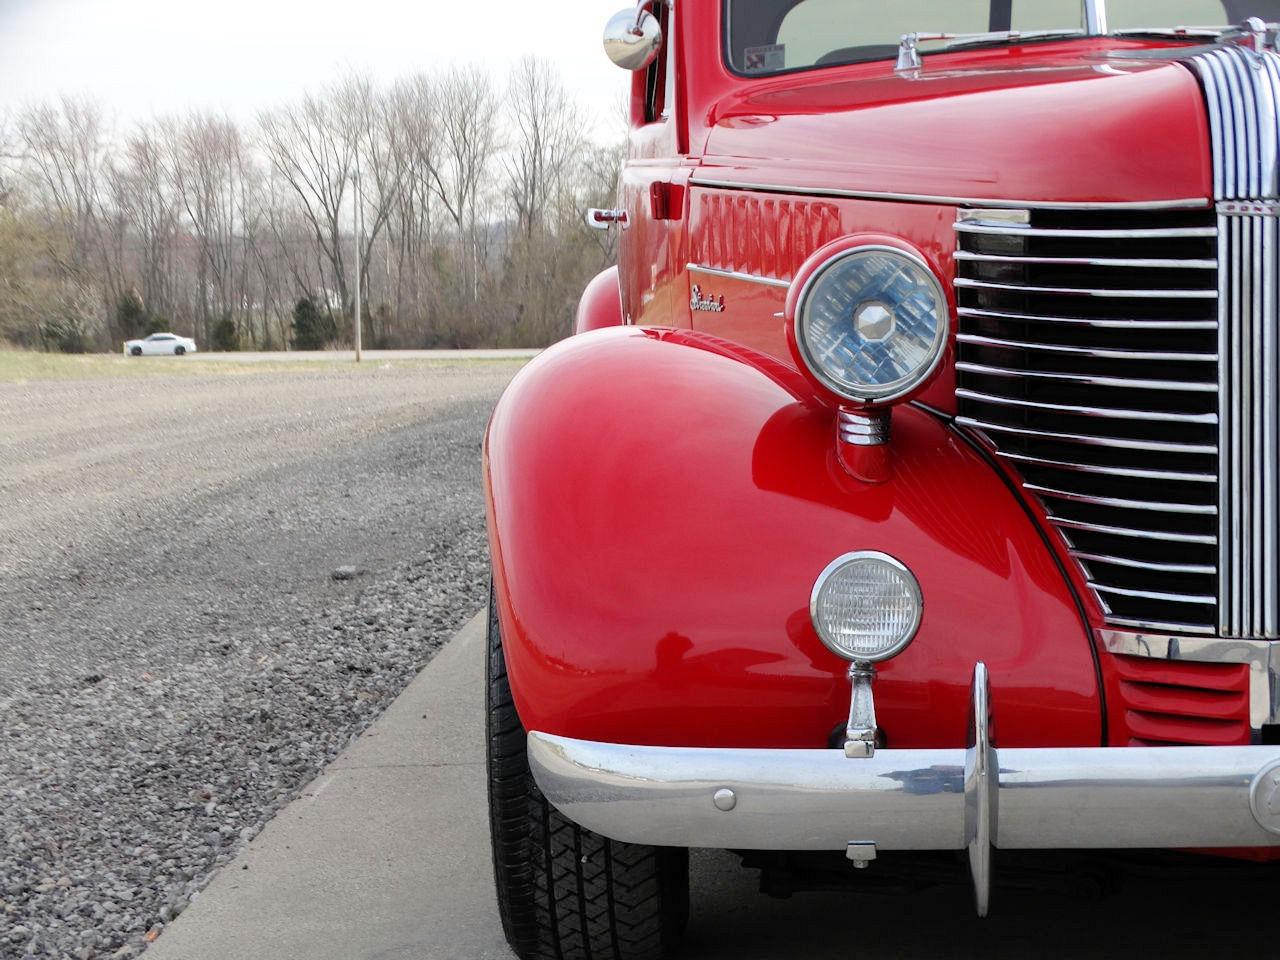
(209, 582)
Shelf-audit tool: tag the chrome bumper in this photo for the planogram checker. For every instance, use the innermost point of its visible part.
(977, 798)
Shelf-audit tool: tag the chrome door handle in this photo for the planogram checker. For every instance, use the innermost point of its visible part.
(604, 219)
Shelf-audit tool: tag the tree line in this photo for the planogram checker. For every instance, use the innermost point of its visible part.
(460, 194)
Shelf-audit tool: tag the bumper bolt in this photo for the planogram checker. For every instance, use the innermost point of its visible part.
(724, 799)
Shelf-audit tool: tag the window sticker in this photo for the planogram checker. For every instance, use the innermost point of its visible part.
(765, 59)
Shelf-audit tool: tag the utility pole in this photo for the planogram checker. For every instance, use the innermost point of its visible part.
(357, 226)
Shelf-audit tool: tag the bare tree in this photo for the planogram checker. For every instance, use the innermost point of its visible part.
(63, 155)
(372, 122)
(545, 142)
(313, 151)
(468, 142)
(141, 196)
(413, 103)
(210, 171)
(467, 239)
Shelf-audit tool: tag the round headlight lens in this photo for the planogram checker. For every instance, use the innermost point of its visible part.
(866, 606)
(872, 323)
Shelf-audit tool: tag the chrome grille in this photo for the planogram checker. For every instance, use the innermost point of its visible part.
(1088, 356)
(1242, 96)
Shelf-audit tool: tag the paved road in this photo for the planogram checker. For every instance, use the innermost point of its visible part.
(385, 857)
(369, 356)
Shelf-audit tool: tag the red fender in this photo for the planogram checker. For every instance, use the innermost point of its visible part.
(660, 504)
(601, 303)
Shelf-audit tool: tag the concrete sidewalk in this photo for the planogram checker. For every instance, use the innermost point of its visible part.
(386, 853)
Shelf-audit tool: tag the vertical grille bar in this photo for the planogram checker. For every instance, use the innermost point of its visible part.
(1271, 442)
(1248, 342)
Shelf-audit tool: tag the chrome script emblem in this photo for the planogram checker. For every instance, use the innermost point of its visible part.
(700, 304)
(1249, 208)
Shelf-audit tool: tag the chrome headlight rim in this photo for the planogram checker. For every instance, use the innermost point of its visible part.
(838, 564)
(860, 393)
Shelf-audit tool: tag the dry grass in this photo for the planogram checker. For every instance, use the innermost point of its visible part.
(21, 366)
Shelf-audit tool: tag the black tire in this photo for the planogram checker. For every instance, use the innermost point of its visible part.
(179, 350)
(565, 893)
(135, 351)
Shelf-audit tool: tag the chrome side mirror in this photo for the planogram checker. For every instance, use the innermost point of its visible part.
(632, 38)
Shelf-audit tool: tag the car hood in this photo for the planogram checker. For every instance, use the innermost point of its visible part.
(1063, 124)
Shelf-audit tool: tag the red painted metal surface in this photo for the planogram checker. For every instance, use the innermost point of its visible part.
(974, 123)
(970, 127)
(660, 505)
(601, 303)
(660, 501)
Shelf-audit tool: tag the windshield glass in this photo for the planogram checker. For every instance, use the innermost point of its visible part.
(773, 36)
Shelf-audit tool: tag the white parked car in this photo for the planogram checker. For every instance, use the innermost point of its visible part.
(159, 344)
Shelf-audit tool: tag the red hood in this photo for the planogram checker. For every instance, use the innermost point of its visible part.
(1033, 123)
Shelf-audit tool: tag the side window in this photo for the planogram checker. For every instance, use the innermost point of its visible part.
(657, 77)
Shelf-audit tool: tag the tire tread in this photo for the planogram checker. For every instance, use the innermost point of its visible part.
(564, 892)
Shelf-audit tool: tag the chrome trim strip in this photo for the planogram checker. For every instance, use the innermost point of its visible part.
(1122, 382)
(864, 430)
(1200, 509)
(1163, 646)
(997, 217)
(1154, 595)
(1131, 532)
(1188, 203)
(1100, 412)
(1193, 628)
(1086, 351)
(1095, 17)
(1119, 443)
(1191, 568)
(1088, 261)
(736, 275)
(1089, 234)
(1117, 324)
(966, 283)
(1137, 472)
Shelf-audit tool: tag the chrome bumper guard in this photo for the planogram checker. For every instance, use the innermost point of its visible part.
(974, 799)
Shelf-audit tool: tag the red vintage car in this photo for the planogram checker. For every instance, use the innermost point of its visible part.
(936, 393)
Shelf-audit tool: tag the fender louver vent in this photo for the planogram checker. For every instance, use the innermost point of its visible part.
(1088, 357)
(1170, 703)
(768, 236)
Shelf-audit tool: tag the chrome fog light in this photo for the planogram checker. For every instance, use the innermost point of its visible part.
(866, 606)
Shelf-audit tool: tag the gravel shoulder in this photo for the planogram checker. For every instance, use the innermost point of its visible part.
(176, 656)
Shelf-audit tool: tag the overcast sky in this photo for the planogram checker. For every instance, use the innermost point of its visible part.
(146, 58)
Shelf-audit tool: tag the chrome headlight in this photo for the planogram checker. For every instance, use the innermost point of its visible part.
(871, 323)
(866, 606)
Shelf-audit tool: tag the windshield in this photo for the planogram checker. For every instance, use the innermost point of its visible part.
(773, 36)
